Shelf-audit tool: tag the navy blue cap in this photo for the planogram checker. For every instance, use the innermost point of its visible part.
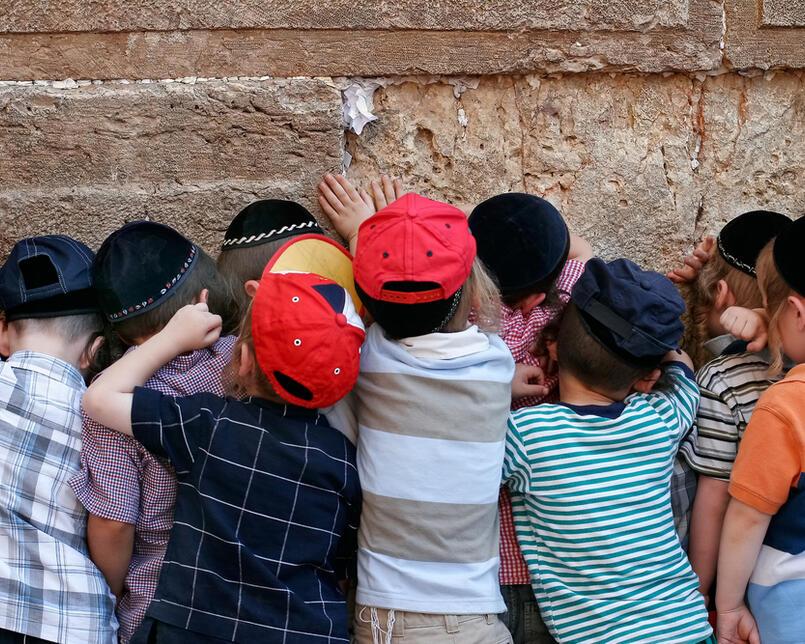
(47, 277)
(522, 239)
(634, 313)
(139, 266)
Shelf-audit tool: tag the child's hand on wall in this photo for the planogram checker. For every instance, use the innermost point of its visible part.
(345, 207)
(580, 249)
(193, 327)
(386, 190)
(746, 324)
(693, 263)
(529, 380)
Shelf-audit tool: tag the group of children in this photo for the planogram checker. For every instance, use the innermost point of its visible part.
(466, 430)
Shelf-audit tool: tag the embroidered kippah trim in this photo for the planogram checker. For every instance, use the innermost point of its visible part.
(129, 310)
(737, 263)
(237, 241)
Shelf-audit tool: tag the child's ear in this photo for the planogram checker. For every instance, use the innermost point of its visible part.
(251, 288)
(89, 353)
(646, 383)
(245, 362)
(725, 298)
(5, 344)
(798, 305)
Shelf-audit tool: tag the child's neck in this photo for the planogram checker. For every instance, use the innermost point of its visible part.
(574, 392)
(47, 344)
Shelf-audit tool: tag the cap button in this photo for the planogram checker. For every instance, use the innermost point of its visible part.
(341, 319)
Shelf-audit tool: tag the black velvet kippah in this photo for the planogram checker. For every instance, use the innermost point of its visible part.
(788, 255)
(268, 220)
(742, 239)
(522, 239)
(139, 266)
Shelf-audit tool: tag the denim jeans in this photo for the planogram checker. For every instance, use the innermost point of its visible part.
(522, 616)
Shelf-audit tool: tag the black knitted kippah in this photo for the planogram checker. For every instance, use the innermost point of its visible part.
(522, 239)
(139, 266)
(742, 239)
(788, 255)
(268, 220)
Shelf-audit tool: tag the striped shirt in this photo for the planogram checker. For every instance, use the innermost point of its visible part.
(49, 588)
(431, 415)
(730, 388)
(594, 520)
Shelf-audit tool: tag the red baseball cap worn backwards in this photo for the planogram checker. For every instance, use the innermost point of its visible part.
(307, 337)
(414, 239)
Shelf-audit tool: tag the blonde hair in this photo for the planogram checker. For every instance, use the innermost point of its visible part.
(256, 383)
(479, 303)
(744, 287)
(775, 292)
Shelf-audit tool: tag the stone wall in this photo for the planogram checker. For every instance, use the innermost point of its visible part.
(648, 123)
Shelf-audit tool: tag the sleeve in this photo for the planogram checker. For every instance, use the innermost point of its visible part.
(108, 483)
(516, 466)
(768, 464)
(343, 417)
(174, 427)
(676, 399)
(571, 272)
(710, 449)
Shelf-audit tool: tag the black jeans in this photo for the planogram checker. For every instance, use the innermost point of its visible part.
(522, 616)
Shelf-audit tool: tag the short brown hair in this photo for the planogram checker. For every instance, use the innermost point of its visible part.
(581, 354)
(239, 265)
(204, 275)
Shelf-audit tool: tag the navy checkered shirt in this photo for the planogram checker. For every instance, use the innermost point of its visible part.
(267, 508)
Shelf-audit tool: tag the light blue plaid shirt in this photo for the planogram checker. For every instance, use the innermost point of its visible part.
(49, 588)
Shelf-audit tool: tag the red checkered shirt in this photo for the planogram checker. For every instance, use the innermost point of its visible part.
(520, 334)
(120, 480)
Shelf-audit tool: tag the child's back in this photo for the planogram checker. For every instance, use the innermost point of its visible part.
(594, 519)
(49, 588)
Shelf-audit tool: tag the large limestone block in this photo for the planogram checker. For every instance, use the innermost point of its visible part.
(86, 159)
(160, 39)
(765, 36)
(752, 153)
(640, 165)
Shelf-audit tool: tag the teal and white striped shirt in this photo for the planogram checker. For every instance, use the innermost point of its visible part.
(593, 516)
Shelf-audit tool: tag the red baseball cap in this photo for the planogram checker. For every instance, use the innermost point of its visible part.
(307, 337)
(414, 239)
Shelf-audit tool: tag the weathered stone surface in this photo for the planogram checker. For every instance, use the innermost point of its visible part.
(83, 160)
(771, 37)
(201, 210)
(784, 13)
(167, 132)
(42, 16)
(640, 165)
(395, 39)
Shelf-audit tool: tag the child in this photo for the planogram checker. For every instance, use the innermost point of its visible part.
(49, 589)
(144, 273)
(761, 554)
(251, 240)
(730, 384)
(525, 244)
(431, 405)
(594, 519)
(269, 493)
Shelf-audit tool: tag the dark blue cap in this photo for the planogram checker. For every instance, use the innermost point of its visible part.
(634, 313)
(47, 277)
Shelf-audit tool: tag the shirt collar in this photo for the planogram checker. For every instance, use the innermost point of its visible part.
(716, 346)
(443, 346)
(612, 410)
(283, 410)
(48, 366)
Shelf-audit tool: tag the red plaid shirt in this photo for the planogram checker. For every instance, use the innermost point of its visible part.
(120, 480)
(520, 334)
